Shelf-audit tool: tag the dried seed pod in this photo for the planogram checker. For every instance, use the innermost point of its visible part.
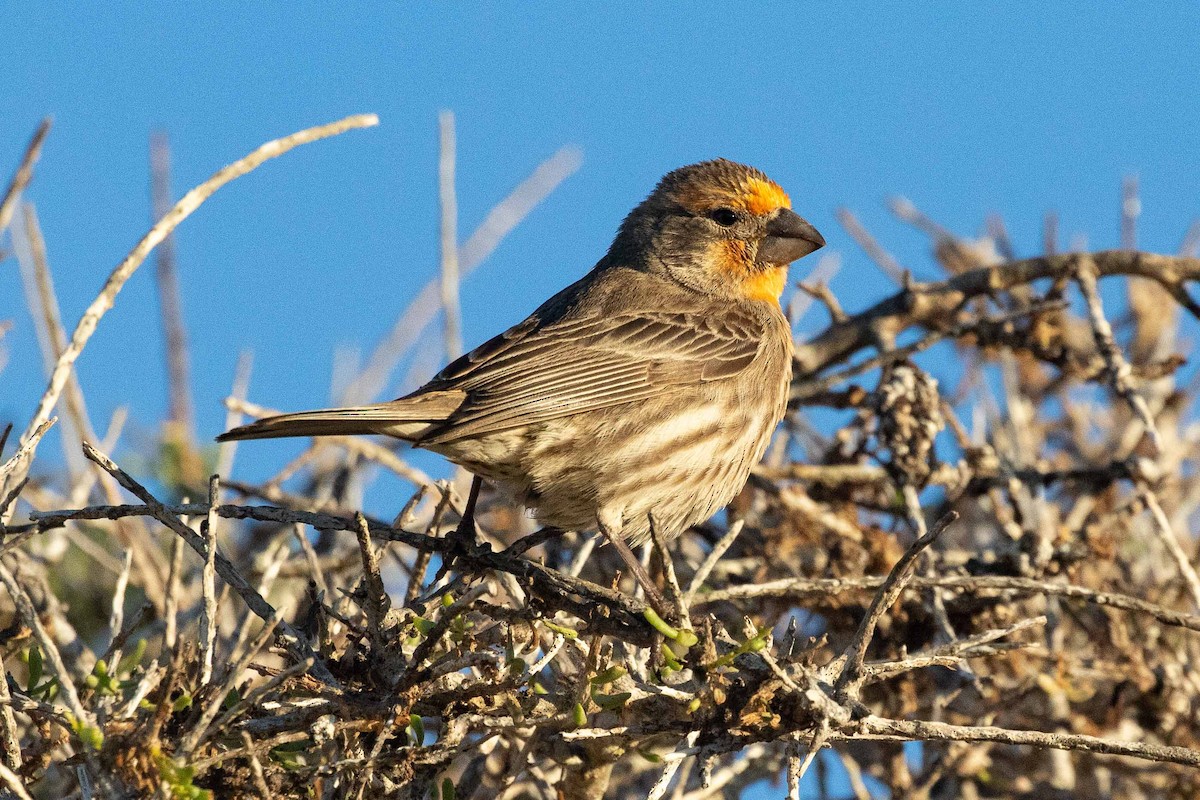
(909, 415)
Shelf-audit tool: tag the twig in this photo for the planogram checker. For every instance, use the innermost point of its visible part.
(1118, 367)
(30, 249)
(851, 673)
(910, 730)
(17, 465)
(674, 593)
(116, 619)
(376, 600)
(193, 737)
(293, 640)
(171, 603)
(10, 741)
(208, 611)
(882, 258)
(799, 588)
(23, 175)
(12, 780)
(50, 651)
(934, 301)
(1131, 209)
(451, 308)
(233, 416)
(179, 411)
(1166, 534)
(256, 769)
(949, 654)
(659, 789)
(714, 555)
(181, 211)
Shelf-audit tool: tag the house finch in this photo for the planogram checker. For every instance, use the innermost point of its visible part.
(648, 388)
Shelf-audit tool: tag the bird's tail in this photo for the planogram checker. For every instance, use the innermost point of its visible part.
(407, 418)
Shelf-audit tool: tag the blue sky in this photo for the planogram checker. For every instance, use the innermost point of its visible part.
(967, 108)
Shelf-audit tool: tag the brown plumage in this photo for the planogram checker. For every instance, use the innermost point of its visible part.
(650, 386)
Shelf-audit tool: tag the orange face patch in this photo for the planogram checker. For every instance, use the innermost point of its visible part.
(733, 258)
(765, 285)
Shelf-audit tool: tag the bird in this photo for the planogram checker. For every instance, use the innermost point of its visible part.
(641, 395)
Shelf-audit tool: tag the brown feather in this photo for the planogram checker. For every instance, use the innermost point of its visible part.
(406, 418)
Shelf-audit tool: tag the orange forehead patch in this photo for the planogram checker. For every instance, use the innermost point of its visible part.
(754, 195)
(763, 197)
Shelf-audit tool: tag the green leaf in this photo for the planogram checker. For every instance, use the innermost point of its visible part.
(561, 629)
(416, 729)
(35, 669)
(659, 624)
(608, 676)
(448, 790)
(89, 735)
(611, 702)
(131, 660)
(686, 638)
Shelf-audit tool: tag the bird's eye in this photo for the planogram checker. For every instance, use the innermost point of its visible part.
(724, 216)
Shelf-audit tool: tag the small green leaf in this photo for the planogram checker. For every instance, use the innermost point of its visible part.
(608, 676)
(416, 729)
(561, 629)
(659, 624)
(686, 638)
(89, 735)
(35, 668)
(578, 715)
(611, 702)
(448, 791)
(131, 660)
(759, 641)
(184, 701)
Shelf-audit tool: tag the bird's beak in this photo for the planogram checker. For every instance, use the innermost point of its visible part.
(789, 237)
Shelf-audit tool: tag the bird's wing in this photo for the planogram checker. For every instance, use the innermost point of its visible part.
(585, 361)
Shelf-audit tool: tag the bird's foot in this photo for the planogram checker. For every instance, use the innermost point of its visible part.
(463, 540)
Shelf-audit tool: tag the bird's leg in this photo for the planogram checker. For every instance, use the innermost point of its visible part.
(462, 538)
(653, 596)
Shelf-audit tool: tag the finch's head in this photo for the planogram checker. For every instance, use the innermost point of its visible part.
(719, 227)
